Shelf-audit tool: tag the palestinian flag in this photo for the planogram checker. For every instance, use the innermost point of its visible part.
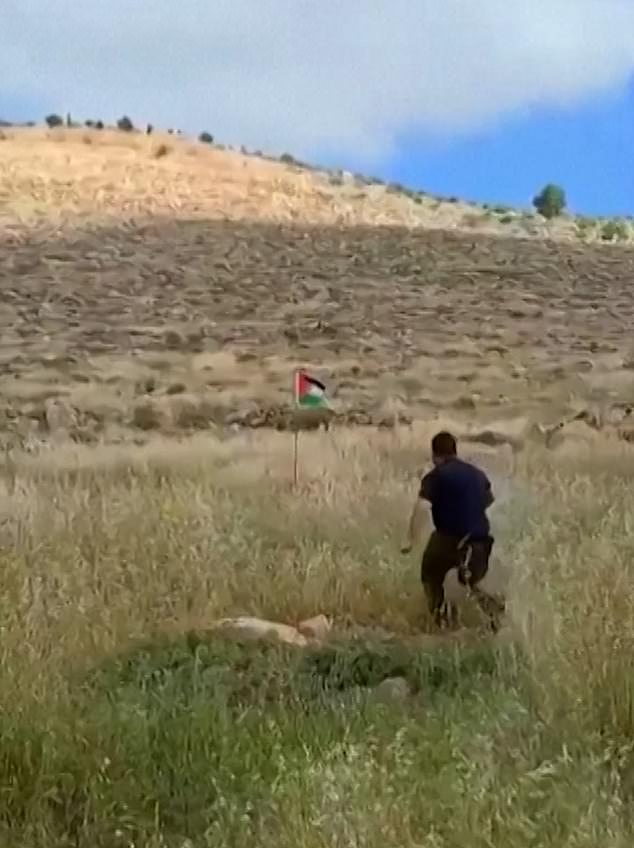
(310, 393)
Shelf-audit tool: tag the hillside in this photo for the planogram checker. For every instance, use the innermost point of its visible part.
(176, 292)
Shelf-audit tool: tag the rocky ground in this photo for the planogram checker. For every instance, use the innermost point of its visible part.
(180, 325)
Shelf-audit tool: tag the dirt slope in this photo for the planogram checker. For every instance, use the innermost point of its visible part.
(178, 292)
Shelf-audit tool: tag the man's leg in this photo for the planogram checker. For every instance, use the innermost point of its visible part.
(437, 560)
(472, 572)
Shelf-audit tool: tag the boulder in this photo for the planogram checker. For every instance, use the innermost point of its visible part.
(316, 628)
(391, 690)
(247, 628)
(59, 416)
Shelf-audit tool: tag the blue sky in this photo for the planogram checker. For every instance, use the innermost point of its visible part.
(484, 100)
(588, 150)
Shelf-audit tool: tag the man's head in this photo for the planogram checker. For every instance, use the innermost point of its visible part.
(443, 447)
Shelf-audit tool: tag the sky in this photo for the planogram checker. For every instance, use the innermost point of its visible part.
(480, 99)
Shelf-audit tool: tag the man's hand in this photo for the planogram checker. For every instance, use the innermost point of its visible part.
(416, 524)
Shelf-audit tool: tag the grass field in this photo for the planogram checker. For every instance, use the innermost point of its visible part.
(125, 723)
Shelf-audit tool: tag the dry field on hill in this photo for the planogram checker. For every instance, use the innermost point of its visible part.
(178, 293)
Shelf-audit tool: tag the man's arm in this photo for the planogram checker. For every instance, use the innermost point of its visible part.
(416, 524)
(417, 518)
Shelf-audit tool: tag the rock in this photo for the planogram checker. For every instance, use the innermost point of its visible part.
(491, 438)
(59, 416)
(522, 309)
(315, 628)
(252, 629)
(391, 690)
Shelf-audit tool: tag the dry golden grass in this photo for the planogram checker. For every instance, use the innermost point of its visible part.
(134, 175)
(103, 549)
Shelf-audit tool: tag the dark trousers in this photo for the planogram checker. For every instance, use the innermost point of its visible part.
(471, 559)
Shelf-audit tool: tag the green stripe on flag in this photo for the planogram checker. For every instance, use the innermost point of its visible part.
(312, 401)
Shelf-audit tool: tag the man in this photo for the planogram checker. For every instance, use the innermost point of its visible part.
(459, 494)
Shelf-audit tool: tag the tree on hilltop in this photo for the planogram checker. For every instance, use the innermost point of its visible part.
(551, 201)
(125, 124)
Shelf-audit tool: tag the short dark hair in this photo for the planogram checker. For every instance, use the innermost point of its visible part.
(444, 444)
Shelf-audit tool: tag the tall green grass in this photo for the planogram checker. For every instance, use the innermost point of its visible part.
(123, 722)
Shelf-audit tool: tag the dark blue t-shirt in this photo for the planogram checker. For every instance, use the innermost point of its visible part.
(459, 494)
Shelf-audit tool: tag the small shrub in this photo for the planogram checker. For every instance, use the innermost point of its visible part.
(614, 231)
(53, 121)
(190, 414)
(173, 340)
(149, 129)
(146, 416)
(162, 150)
(287, 159)
(125, 124)
(506, 219)
(99, 125)
(550, 202)
(584, 226)
(176, 389)
(206, 138)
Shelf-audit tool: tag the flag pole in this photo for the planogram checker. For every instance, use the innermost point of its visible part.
(295, 428)
(295, 463)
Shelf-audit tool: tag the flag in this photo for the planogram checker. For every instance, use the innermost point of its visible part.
(310, 393)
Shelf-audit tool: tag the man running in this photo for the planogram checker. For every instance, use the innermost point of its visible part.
(459, 494)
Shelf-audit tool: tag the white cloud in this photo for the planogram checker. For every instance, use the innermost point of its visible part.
(313, 76)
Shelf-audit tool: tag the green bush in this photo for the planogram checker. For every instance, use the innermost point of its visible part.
(551, 201)
(54, 121)
(206, 138)
(614, 231)
(125, 124)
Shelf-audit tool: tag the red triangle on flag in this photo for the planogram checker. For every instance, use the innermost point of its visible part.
(302, 384)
